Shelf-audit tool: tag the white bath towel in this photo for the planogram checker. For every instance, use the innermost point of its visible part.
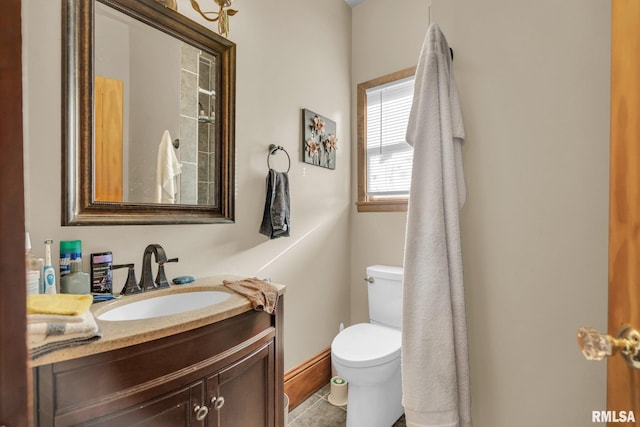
(44, 318)
(168, 168)
(45, 337)
(435, 363)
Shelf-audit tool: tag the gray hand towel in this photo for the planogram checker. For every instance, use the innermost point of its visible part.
(275, 219)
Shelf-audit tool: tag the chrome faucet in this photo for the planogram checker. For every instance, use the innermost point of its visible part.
(146, 283)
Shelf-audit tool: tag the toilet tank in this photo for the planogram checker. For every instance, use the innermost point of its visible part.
(385, 295)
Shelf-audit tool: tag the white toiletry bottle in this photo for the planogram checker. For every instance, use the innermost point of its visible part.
(76, 282)
(34, 268)
(48, 272)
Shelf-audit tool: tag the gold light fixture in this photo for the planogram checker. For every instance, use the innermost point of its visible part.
(222, 15)
(171, 4)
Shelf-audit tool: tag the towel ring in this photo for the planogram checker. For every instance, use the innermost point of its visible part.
(272, 150)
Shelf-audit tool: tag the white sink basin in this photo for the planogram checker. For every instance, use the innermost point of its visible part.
(164, 305)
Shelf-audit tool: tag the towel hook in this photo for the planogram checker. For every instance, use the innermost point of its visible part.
(431, 21)
(272, 150)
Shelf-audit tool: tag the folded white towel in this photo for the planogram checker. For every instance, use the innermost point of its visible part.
(44, 318)
(45, 337)
(168, 168)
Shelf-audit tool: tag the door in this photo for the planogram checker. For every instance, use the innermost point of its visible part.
(623, 382)
(247, 390)
(175, 409)
(14, 399)
(108, 130)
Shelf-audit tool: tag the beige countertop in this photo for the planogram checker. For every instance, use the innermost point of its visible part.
(119, 334)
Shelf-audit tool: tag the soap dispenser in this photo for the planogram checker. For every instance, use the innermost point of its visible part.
(76, 282)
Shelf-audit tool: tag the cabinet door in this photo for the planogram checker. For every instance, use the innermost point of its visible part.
(174, 409)
(247, 389)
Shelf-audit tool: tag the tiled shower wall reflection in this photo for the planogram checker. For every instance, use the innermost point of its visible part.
(188, 150)
(206, 130)
(197, 144)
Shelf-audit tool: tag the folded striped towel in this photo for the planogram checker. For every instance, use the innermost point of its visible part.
(60, 304)
(45, 337)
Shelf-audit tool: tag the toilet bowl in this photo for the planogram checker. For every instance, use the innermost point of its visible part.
(368, 357)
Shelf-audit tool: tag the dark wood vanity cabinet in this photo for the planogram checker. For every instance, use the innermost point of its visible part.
(227, 374)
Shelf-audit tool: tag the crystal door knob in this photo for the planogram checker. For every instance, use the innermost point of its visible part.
(593, 344)
(596, 346)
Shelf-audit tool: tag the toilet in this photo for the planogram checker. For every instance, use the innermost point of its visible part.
(367, 355)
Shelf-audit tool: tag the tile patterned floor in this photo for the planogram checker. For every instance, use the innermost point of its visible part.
(316, 411)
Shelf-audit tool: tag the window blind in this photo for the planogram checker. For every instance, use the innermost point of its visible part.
(389, 157)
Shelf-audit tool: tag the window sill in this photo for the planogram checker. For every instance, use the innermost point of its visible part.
(393, 205)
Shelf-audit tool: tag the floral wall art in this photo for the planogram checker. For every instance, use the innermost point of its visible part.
(319, 141)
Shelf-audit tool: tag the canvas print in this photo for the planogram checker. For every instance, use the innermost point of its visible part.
(319, 141)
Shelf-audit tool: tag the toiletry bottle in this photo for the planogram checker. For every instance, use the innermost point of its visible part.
(76, 282)
(69, 251)
(48, 272)
(34, 269)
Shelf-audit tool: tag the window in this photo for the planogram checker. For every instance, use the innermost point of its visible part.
(384, 157)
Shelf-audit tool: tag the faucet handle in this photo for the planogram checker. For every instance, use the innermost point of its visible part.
(161, 278)
(131, 286)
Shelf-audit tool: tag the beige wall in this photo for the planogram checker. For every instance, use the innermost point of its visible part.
(293, 56)
(379, 47)
(533, 78)
(534, 82)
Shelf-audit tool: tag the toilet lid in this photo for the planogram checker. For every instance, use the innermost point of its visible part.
(366, 344)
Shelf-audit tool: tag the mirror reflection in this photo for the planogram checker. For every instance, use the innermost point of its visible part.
(154, 115)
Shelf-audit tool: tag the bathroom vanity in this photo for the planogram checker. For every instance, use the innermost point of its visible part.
(220, 366)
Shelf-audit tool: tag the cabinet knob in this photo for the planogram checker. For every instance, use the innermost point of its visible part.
(201, 412)
(217, 402)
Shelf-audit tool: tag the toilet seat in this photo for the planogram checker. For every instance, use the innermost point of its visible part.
(365, 344)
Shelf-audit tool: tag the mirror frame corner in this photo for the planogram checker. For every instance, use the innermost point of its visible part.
(78, 206)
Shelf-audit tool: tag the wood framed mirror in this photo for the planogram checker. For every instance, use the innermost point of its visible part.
(137, 74)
